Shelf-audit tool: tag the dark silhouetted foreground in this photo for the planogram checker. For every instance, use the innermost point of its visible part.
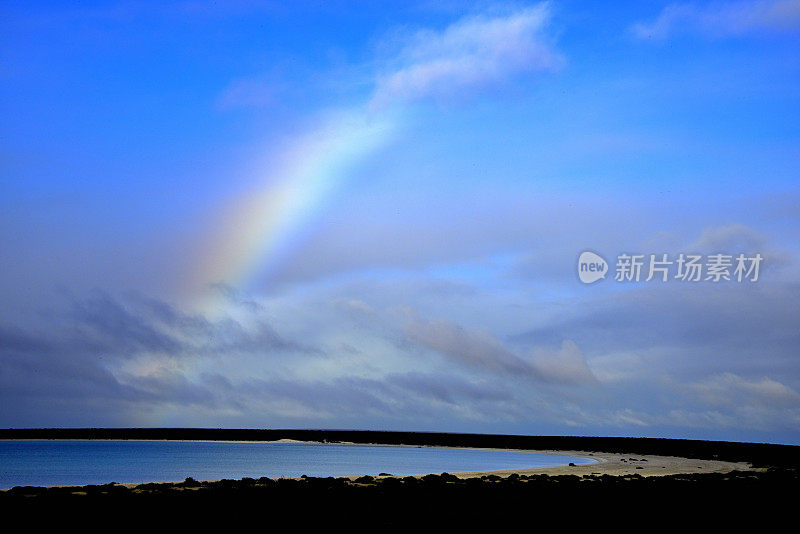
(710, 499)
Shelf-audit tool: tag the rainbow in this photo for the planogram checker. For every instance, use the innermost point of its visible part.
(261, 229)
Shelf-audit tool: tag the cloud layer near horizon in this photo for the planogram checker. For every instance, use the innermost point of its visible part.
(701, 360)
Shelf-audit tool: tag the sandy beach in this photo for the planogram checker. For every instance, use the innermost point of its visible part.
(623, 464)
(613, 464)
(606, 463)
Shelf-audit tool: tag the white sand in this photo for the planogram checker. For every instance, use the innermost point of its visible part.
(623, 464)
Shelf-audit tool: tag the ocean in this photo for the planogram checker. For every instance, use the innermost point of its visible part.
(68, 462)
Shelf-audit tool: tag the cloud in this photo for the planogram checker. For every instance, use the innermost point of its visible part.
(107, 360)
(699, 325)
(730, 238)
(483, 351)
(705, 320)
(409, 372)
(567, 365)
(477, 53)
(737, 239)
(729, 400)
(732, 389)
(448, 389)
(102, 339)
(466, 347)
(473, 54)
(718, 20)
(138, 326)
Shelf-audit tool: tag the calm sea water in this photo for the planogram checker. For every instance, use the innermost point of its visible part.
(66, 463)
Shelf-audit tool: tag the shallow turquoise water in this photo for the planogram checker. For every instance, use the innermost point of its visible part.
(65, 463)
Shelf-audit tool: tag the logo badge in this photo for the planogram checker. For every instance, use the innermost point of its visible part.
(591, 267)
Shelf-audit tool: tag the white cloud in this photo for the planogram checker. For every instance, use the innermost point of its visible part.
(566, 365)
(732, 389)
(475, 53)
(618, 366)
(732, 237)
(482, 350)
(722, 19)
(473, 349)
(737, 238)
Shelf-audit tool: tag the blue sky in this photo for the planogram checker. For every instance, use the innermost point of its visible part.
(328, 214)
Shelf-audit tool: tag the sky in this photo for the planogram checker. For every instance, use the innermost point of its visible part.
(369, 215)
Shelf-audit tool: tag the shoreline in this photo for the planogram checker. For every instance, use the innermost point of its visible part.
(622, 464)
(604, 463)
